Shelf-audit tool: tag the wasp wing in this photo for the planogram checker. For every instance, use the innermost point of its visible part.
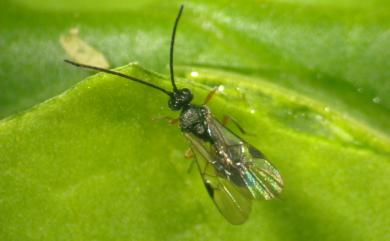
(228, 197)
(260, 177)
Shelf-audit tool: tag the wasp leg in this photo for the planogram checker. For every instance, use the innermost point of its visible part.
(203, 173)
(170, 120)
(189, 154)
(189, 169)
(210, 95)
(227, 118)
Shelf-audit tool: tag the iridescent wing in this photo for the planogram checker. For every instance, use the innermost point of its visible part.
(229, 198)
(234, 172)
(251, 169)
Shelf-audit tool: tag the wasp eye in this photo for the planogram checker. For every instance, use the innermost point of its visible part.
(186, 96)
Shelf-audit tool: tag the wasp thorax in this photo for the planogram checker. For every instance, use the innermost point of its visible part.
(193, 120)
(179, 99)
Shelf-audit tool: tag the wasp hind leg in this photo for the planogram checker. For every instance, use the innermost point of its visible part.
(227, 118)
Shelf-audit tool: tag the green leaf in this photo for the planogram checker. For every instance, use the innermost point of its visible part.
(308, 78)
(93, 164)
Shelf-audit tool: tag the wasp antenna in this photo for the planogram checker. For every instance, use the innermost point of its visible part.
(118, 74)
(171, 48)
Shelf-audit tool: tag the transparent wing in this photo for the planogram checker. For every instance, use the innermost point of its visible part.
(229, 198)
(261, 178)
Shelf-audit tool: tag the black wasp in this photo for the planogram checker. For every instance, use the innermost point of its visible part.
(233, 171)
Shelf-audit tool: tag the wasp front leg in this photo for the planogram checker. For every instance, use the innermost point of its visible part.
(170, 120)
(210, 95)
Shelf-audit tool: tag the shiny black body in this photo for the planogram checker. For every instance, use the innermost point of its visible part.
(193, 119)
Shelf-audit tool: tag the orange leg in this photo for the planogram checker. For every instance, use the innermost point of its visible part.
(189, 154)
(210, 95)
(226, 119)
(170, 120)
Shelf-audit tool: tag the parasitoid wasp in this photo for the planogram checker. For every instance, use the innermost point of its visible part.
(233, 171)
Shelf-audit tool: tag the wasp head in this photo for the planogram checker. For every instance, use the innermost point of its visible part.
(179, 99)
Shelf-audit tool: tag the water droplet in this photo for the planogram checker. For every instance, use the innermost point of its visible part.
(221, 88)
(376, 100)
(194, 74)
(253, 111)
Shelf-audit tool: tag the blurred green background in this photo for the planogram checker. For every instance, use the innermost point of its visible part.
(91, 165)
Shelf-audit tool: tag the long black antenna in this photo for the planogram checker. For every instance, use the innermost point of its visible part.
(171, 49)
(119, 74)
